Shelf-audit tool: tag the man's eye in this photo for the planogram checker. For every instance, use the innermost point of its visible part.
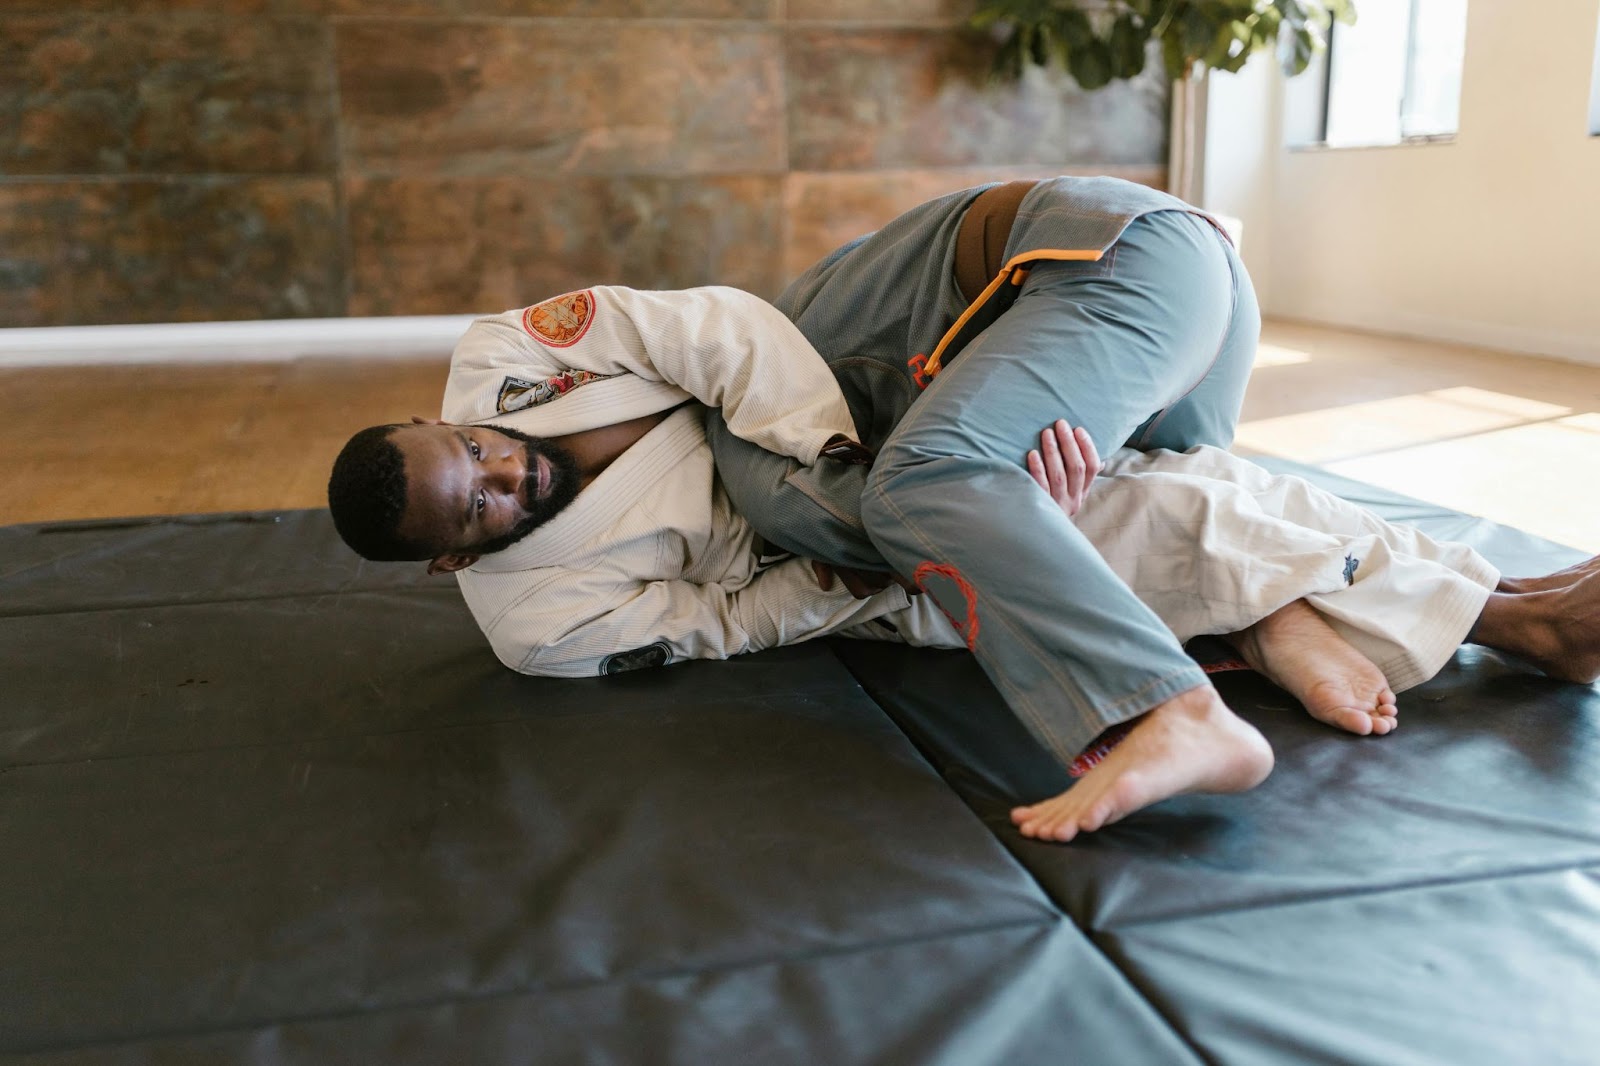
(472, 446)
(481, 503)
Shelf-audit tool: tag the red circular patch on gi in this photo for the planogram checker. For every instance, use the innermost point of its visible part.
(560, 322)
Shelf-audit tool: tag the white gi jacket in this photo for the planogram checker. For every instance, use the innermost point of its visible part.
(650, 564)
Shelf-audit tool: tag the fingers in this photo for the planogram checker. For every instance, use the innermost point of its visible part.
(1091, 455)
(1036, 470)
(1072, 458)
(1065, 464)
(1057, 463)
(824, 574)
(860, 585)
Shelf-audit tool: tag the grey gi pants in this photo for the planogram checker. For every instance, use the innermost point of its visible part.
(1150, 346)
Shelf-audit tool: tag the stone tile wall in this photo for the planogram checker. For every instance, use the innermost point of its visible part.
(174, 160)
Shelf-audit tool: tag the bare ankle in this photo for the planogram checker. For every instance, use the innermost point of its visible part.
(1522, 623)
(1198, 701)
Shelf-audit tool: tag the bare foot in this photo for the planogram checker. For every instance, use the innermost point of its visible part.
(1561, 634)
(1561, 579)
(1191, 743)
(1301, 653)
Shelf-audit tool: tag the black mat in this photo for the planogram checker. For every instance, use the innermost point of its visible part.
(262, 803)
(1429, 896)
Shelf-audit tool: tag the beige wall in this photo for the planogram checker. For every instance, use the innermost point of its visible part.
(1492, 240)
(176, 160)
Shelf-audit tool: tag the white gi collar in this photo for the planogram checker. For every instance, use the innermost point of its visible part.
(602, 504)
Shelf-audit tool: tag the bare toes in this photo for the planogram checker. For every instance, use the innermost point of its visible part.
(1350, 719)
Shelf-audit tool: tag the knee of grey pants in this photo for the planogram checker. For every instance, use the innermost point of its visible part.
(1154, 327)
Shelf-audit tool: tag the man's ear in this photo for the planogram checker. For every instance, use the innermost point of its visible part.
(449, 564)
(418, 420)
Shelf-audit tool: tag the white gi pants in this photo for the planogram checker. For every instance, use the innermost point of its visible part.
(1213, 543)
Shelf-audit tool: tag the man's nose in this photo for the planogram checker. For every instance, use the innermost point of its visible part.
(508, 472)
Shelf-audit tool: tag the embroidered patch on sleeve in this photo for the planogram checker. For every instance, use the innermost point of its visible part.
(560, 322)
(519, 395)
(657, 654)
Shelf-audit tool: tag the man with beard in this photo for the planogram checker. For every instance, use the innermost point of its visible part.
(605, 542)
(571, 488)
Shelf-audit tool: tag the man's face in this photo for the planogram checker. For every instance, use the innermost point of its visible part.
(475, 490)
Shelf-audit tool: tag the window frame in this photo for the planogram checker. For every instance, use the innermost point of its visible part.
(1320, 144)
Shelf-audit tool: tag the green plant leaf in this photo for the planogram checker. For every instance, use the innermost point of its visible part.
(1264, 34)
(985, 17)
(1221, 34)
(1342, 10)
(1293, 12)
(1091, 64)
(1172, 56)
(1040, 46)
(1128, 39)
(1198, 30)
(1074, 29)
(1008, 62)
(1296, 51)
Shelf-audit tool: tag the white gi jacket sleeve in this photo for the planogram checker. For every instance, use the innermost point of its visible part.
(584, 623)
(721, 346)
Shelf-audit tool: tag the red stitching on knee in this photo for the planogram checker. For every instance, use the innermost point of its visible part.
(969, 630)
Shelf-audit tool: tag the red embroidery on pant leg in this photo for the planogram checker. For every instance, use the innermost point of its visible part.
(969, 628)
(1095, 753)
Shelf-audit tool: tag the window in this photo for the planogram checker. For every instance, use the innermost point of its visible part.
(1394, 76)
(1594, 88)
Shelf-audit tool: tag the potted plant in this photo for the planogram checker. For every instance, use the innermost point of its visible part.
(1098, 41)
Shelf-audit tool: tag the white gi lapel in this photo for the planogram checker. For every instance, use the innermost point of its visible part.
(610, 496)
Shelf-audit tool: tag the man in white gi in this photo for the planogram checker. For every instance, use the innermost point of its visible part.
(571, 488)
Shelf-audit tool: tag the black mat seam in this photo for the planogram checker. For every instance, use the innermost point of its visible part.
(1150, 994)
(211, 602)
(1177, 1033)
(1155, 1002)
(641, 976)
(1584, 865)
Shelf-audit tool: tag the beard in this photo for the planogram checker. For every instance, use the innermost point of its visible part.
(564, 478)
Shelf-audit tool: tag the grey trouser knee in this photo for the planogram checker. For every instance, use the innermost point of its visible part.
(1151, 345)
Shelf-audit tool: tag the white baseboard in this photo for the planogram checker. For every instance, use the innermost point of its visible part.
(401, 337)
(1514, 340)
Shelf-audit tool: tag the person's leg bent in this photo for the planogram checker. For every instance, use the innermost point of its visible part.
(949, 501)
(1208, 413)
(1402, 599)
